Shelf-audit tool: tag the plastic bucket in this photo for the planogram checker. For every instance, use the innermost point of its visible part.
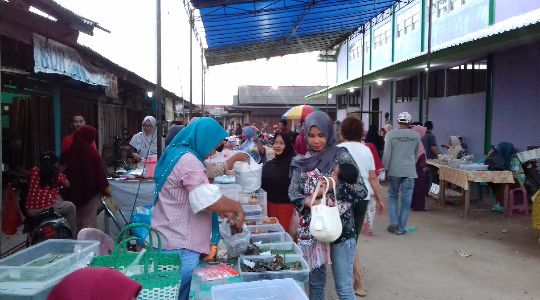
(151, 163)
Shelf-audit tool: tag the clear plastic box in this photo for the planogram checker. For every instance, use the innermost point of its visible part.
(286, 248)
(229, 190)
(258, 197)
(298, 275)
(263, 221)
(274, 237)
(265, 228)
(278, 289)
(473, 167)
(43, 265)
(253, 212)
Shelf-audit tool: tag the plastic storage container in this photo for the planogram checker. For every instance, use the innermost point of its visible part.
(43, 265)
(298, 275)
(278, 289)
(473, 167)
(265, 228)
(258, 197)
(266, 220)
(230, 190)
(285, 248)
(253, 212)
(274, 237)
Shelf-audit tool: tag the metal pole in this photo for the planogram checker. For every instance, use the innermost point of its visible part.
(428, 66)
(190, 63)
(327, 87)
(363, 62)
(202, 80)
(1, 179)
(159, 123)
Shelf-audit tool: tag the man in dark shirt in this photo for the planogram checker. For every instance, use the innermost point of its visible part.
(430, 142)
(432, 151)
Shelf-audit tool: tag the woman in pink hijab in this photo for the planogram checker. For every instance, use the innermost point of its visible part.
(419, 199)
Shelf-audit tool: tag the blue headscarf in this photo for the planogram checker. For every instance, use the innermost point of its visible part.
(199, 138)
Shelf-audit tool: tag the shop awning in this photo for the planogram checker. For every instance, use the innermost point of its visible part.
(240, 30)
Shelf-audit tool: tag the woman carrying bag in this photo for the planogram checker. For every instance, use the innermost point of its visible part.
(307, 173)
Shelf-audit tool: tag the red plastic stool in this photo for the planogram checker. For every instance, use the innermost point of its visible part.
(521, 204)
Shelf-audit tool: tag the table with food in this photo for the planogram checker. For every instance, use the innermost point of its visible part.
(260, 260)
(463, 172)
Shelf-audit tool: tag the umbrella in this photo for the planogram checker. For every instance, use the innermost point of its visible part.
(299, 112)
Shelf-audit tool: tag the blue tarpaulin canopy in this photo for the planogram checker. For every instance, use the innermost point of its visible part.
(240, 30)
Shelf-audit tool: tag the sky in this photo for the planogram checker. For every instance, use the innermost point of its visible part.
(132, 45)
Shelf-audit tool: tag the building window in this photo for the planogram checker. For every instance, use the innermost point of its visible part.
(408, 21)
(436, 83)
(342, 101)
(467, 78)
(354, 98)
(407, 90)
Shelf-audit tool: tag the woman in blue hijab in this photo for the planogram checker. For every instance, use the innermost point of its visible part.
(184, 199)
(252, 145)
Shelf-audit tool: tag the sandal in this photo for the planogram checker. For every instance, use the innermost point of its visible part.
(360, 293)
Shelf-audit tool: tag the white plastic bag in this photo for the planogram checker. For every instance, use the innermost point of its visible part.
(325, 225)
(236, 244)
(248, 176)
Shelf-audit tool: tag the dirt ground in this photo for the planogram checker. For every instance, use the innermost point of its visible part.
(504, 262)
(425, 264)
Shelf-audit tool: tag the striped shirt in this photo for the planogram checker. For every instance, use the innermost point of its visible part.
(180, 214)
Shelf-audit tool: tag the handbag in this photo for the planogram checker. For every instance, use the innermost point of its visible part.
(325, 225)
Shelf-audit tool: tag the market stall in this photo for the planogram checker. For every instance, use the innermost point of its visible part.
(464, 174)
(125, 192)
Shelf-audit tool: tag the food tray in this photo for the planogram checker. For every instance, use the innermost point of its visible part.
(277, 289)
(286, 248)
(298, 275)
(265, 228)
(473, 167)
(43, 265)
(274, 237)
(263, 221)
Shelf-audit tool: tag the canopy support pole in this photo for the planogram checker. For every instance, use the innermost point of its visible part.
(428, 58)
(159, 118)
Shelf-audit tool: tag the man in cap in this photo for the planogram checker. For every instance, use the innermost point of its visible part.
(399, 160)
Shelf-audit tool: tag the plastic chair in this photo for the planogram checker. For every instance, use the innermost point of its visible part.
(106, 243)
(521, 205)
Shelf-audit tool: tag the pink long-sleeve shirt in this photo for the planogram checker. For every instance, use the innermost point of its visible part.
(181, 224)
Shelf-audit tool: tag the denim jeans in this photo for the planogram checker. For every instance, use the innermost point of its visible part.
(342, 255)
(190, 260)
(406, 186)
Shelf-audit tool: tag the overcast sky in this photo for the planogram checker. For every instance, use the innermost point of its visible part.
(132, 45)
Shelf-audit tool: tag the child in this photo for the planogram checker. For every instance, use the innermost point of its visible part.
(44, 184)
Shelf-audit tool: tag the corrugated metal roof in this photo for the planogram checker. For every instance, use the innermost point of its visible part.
(246, 30)
(281, 95)
(65, 15)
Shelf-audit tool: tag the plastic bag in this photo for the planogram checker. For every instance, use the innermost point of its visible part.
(236, 244)
(142, 214)
(248, 176)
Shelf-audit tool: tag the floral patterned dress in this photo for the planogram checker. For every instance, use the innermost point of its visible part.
(302, 186)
